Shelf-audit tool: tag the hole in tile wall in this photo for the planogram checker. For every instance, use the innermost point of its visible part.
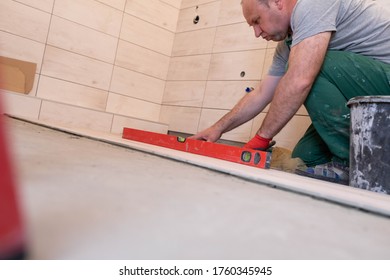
(197, 18)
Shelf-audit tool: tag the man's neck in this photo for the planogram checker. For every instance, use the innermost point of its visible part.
(290, 4)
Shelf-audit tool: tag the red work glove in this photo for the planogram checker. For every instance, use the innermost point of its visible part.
(259, 143)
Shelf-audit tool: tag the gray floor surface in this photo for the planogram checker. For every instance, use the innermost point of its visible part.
(85, 199)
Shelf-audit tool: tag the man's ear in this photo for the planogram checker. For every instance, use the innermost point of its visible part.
(278, 3)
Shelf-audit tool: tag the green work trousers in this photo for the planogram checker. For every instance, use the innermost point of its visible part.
(343, 75)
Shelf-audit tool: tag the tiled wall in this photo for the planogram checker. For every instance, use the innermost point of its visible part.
(102, 64)
(204, 79)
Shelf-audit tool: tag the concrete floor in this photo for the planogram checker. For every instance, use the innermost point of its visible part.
(85, 199)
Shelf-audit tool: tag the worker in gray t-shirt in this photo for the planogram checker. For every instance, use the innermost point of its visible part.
(328, 52)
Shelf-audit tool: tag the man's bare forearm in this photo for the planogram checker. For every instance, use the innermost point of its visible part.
(249, 106)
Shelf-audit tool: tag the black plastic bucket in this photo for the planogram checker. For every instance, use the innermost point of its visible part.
(370, 143)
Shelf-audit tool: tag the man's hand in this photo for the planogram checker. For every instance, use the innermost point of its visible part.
(210, 134)
(246, 109)
(259, 143)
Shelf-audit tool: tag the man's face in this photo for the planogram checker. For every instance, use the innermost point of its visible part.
(268, 21)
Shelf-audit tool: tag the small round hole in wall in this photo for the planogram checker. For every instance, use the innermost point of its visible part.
(242, 74)
(196, 19)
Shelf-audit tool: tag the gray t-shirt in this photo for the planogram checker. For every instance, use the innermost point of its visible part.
(359, 26)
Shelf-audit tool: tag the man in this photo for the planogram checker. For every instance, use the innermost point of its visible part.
(328, 52)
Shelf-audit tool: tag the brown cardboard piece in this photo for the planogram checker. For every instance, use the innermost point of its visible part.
(16, 75)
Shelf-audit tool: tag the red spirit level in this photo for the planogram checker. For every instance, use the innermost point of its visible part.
(250, 157)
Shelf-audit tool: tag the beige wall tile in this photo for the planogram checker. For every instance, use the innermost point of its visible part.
(302, 111)
(117, 4)
(90, 13)
(24, 21)
(144, 34)
(189, 68)
(20, 105)
(184, 93)
(272, 44)
(44, 5)
(182, 119)
(154, 11)
(21, 48)
(210, 116)
(70, 93)
(208, 17)
(289, 136)
(133, 84)
(82, 40)
(228, 66)
(231, 12)
(225, 94)
(237, 37)
(193, 3)
(71, 116)
(132, 107)
(142, 60)
(194, 42)
(120, 122)
(174, 3)
(76, 68)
